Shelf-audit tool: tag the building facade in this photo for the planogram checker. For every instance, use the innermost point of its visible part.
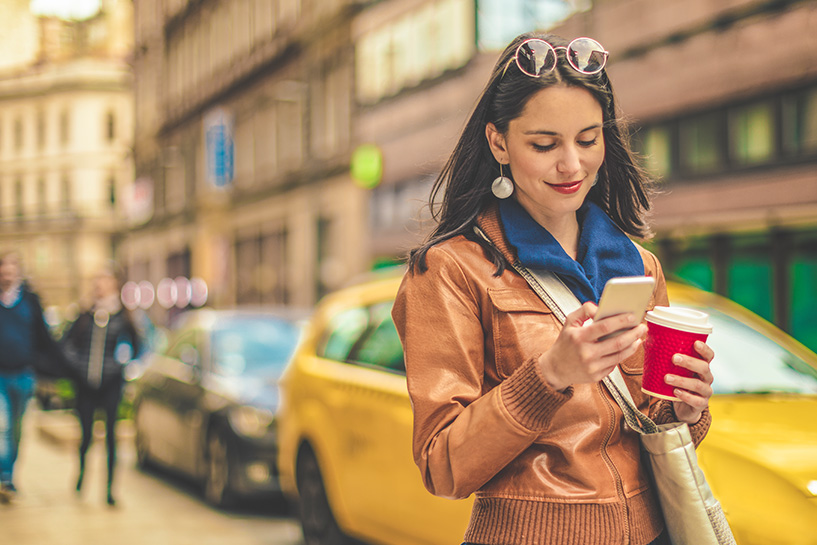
(66, 121)
(243, 135)
(249, 111)
(723, 100)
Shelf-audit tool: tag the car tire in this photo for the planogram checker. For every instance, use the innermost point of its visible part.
(217, 477)
(317, 521)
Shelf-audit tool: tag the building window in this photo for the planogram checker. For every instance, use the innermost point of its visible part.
(42, 196)
(750, 277)
(40, 130)
(65, 193)
(700, 144)
(112, 191)
(499, 21)
(803, 295)
(248, 270)
(265, 142)
(290, 138)
(110, 126)
(751, 134)
(65, 128)
(323, 257)
(273, 279)
(244, 151)
(656, 146)
(18, 134)
(261, 269)
(417, 46)
(18, 197)
(799, 123)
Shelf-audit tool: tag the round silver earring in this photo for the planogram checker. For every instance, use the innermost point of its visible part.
(502, 187)
(595, 180)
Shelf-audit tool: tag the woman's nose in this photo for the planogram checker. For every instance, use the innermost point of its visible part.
(568, 162)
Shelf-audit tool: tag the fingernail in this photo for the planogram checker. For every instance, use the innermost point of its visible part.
(677, 392)
(676, 358)
(630, 318)
(669, 378)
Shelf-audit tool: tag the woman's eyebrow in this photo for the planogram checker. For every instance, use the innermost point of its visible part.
(554, 133)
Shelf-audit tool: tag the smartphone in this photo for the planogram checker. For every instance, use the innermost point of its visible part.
(622, 295)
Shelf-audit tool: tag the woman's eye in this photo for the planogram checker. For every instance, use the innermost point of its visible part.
(548, 147)
(588, 143)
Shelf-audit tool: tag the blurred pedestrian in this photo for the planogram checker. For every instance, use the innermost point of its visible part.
(26, 347)
(101, 341)
(508, 403)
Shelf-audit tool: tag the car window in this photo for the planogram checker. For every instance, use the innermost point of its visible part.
(380, 345)
(247, 345)
(747, 361)
(364, 335)
(343, 332)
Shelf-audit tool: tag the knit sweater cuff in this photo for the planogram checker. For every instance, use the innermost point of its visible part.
(664, 414)
(529, 398)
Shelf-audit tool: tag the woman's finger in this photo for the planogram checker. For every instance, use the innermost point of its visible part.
(694, 385)
(696, 402)
(697, 366)
(623, 341)
(705, 351)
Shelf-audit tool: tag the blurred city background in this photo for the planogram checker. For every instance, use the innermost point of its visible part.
(268, 152)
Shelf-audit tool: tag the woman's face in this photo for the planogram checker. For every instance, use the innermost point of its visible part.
(104, 285)
(554, 150)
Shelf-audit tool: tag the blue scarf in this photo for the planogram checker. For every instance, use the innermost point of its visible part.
(604, 252)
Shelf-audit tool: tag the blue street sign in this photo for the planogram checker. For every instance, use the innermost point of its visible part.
(219, 148)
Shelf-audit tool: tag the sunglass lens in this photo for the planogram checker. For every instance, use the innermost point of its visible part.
(535, 57)
(587, 55)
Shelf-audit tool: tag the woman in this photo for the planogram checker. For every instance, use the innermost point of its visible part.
(100, 342)
(508, 403)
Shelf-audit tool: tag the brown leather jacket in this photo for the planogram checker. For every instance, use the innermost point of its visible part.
(546, 466)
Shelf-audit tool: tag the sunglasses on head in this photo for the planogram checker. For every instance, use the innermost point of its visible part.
(536, 57)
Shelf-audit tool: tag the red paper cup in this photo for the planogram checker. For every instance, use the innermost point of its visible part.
(671, 330)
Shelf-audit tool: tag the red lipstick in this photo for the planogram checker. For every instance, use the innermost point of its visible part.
(568, 188)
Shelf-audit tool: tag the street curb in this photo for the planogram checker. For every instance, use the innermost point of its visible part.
(61, 427)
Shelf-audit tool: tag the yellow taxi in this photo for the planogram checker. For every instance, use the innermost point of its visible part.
(345, 426)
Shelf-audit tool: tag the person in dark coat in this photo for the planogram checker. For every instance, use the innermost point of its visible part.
(100, 342)
(26, 350)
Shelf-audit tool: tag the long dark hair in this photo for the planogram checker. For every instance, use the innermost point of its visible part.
(622, 190)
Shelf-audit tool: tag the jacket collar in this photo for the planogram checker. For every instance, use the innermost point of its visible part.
(490, 224)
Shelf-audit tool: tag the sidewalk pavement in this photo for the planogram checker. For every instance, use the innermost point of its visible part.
(62, 427)
(155, 508)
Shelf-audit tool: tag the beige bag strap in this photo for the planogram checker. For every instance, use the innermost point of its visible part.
(561, 301)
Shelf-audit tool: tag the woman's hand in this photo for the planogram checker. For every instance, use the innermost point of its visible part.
(579, 357)
(695, 392)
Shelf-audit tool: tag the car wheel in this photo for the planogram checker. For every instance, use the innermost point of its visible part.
(217, 480)
(318, 522)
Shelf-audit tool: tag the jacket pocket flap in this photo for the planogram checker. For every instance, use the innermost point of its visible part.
(512, 300)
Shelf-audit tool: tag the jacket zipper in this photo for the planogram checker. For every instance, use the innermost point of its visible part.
(606, 457)
(543, 294)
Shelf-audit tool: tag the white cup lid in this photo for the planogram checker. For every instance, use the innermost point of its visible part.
(684, 319)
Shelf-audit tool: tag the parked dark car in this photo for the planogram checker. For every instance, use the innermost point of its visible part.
(206, 405)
